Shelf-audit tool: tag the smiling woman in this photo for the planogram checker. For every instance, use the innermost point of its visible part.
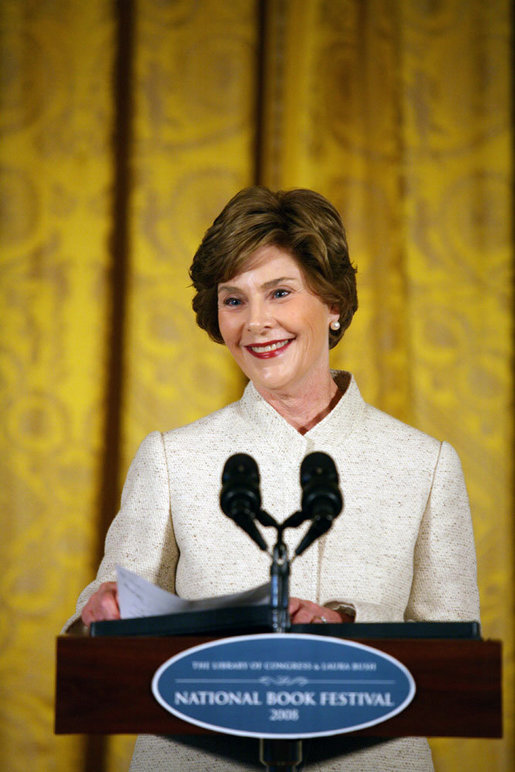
(275, 284)
(302, 223)
(277, 330)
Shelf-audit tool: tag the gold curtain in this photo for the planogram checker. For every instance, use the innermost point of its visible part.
(124, 127)
(400, 113)
(55, 122)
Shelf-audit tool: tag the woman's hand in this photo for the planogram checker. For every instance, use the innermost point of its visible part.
(102, 605)
(304, 612)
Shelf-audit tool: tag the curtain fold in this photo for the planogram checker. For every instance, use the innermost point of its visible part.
(124, 128)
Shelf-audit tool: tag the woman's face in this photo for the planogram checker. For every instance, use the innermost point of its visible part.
(275, 327)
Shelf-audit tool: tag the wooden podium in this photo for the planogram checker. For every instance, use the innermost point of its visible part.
(104, 686)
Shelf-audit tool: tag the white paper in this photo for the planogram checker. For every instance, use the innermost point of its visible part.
(139, 598)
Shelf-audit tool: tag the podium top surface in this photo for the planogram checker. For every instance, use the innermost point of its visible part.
(257, 619)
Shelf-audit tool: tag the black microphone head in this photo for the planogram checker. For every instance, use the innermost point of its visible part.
(321, 494)
(317, 465)
(240, 485)
(240, 498)
(241, 466)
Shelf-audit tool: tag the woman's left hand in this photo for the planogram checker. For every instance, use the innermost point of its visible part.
(303, 612)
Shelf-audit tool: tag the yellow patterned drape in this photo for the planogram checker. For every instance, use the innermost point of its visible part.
(55, 118)
(398, 111)
(193, 149)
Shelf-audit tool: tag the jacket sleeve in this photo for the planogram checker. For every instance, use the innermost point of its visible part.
(444, 583)
(141, 536)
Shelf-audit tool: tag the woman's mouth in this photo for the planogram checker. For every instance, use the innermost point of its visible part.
(270, 349)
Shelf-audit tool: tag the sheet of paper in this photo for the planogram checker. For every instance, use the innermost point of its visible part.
(139, 598)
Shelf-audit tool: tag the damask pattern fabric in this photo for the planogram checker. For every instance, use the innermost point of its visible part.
(399, 112)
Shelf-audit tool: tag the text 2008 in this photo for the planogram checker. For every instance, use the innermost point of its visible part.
(284, 714)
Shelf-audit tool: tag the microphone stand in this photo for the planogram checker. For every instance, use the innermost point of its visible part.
(279, 591)
(321, 502)
(280, 755)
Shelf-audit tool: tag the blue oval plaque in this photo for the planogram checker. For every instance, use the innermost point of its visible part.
(287, 686)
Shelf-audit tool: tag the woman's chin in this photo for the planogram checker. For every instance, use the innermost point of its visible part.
(272, 383)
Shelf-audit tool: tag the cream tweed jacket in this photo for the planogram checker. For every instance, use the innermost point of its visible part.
(402, 548)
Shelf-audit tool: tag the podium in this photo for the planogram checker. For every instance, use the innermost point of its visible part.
(103, 686)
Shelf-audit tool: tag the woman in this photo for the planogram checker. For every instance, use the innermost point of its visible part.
(275, 284)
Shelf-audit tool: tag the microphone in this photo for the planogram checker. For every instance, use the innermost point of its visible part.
(240, 498)
(322, 500)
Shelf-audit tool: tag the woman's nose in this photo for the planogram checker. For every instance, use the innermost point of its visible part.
(258, 317)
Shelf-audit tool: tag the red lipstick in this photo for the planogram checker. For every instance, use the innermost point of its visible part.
(263, 350)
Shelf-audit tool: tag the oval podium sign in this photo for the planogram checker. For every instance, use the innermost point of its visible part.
(283, 686)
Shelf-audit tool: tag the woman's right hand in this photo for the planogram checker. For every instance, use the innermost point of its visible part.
(102, 605)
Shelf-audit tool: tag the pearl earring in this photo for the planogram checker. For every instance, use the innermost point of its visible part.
(335, 325)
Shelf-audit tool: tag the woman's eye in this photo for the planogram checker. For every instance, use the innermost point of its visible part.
(231, 302)
(280, 293)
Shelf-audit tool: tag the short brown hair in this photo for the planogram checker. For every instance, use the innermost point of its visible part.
(300, 221)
